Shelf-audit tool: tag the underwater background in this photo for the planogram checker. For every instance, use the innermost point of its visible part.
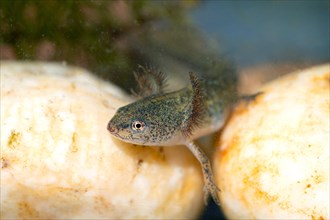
(261, 39)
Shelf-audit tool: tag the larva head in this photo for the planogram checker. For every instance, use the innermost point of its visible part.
(154, 120)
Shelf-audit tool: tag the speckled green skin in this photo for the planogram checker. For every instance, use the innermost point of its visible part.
(165, 115)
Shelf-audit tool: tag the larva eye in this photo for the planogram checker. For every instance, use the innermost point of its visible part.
(138, 125)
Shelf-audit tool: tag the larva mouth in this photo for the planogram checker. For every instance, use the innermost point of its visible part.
(112, 128)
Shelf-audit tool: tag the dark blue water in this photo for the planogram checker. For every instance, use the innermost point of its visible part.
(254, 32)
